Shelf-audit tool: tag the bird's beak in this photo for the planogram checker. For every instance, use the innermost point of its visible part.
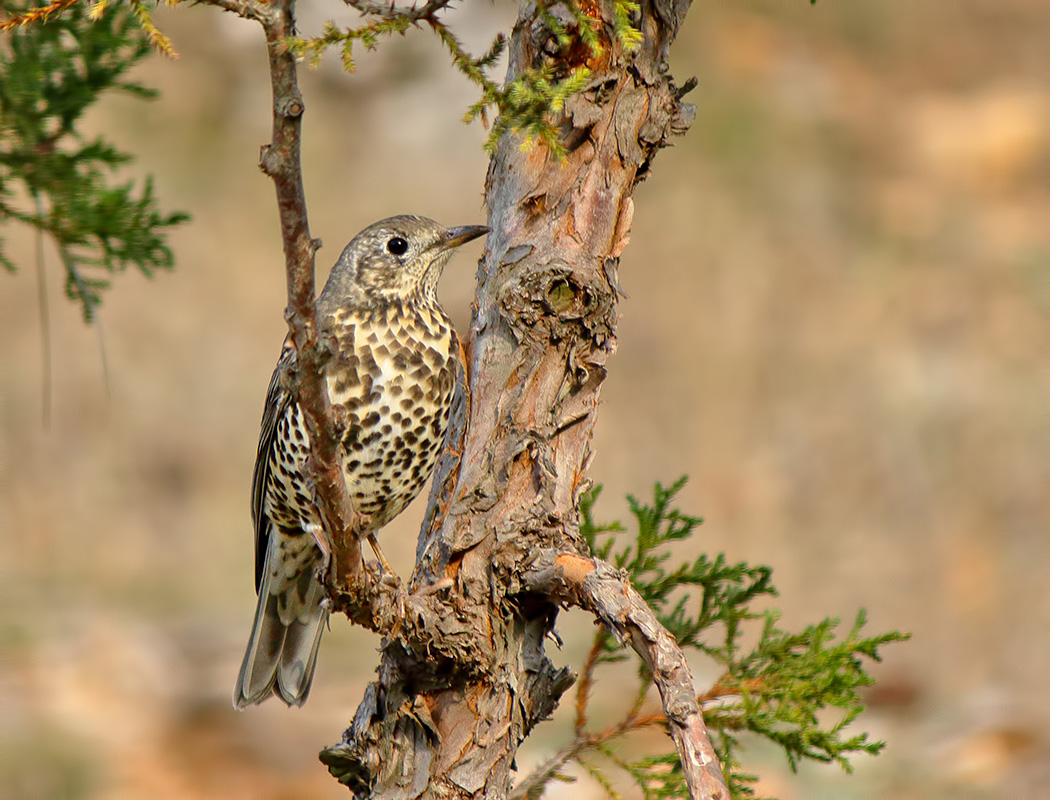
(454, 237)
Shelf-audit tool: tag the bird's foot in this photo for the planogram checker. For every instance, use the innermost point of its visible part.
(384, 565)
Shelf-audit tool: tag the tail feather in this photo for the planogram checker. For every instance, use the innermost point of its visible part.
(282, 651)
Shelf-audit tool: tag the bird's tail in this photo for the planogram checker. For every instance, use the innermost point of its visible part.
(282, 651)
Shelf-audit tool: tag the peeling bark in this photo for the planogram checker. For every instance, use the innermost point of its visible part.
(464, 677)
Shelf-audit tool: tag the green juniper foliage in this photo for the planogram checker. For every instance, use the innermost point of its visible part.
(779, 688)
(525, 105)
(54, 180)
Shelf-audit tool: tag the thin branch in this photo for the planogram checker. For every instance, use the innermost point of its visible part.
(45, 316)
(392, 11)
(248, 9)
(595, 586)
(532, 786)
(583, 686)
(84, 293)
(35, 15)
(720, 689)
(280, 160)
(639, 699)
(600, 777)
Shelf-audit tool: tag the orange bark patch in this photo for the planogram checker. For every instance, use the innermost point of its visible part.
(452, 570)
(576, 569)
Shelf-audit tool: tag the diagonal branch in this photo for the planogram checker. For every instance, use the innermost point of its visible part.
(34, 15)
(595, 586)
(533, 785)
(583, 686)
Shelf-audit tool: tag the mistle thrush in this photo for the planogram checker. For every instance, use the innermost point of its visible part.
(390, 379)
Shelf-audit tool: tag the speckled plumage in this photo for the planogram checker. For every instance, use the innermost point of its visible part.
(390, 381)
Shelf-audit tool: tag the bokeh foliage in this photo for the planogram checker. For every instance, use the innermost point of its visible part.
(55, 180)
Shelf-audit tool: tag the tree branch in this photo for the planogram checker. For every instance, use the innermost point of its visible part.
(35, 15)
(280, 160)
(391, 11)
(249, 9)
(595, 586)
(533, 785)
(586, 680)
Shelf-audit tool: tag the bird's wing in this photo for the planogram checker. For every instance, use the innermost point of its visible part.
(277, 400)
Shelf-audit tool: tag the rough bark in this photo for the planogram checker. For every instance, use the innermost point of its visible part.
(464, 677)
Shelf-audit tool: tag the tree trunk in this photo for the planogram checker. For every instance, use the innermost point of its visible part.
(464, 677)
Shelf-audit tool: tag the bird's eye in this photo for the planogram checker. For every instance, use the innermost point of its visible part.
(397, 246)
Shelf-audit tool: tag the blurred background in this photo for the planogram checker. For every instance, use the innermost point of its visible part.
(837, 326)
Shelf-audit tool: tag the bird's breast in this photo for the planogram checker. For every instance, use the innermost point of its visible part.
(391, 383)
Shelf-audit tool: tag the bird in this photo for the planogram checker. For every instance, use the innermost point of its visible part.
(390, 379)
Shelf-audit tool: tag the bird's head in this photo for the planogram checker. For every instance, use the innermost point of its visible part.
(398, 258)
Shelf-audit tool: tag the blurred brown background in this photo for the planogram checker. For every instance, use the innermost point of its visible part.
(837, 325)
